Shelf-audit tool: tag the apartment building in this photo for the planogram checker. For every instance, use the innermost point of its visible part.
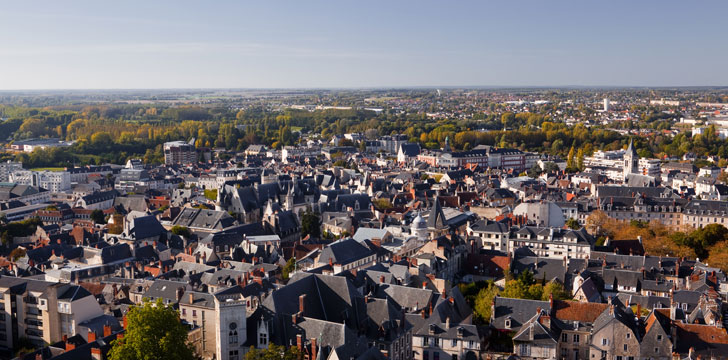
(41, 311)
(179, 152)
(53, 181)
(8, 168)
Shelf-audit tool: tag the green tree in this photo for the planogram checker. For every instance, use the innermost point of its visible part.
(98, 217)
(555, 289)
(310, 224)
(573, 224)
(181, 231)
(288, 268)
(570, 163)
(515, 289)
(484, 300)
(153, 332)
(273, 352)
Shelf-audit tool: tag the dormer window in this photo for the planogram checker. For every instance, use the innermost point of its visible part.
(508, 323)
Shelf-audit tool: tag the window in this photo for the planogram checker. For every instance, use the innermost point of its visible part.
(625, 347)
(564, 337)
(657, 350)
(263, 339)
(194, 313)
(605, 342)
(576, 338)
(425, 355)
(525, 350)
(233, 355)
(659, 337)
(436, 355)
(184, 312)
(454, 343)
(629, 335)
(508, 323)
(233, 337)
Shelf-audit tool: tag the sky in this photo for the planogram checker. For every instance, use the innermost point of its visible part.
(361, 44)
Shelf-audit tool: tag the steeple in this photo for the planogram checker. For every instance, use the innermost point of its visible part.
(630, 149)
(436, 220)
(631, 161)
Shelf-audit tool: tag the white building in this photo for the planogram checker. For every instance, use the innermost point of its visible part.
(53, 181)
(8, 168)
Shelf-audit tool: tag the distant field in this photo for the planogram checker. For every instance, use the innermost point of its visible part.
(48, 169)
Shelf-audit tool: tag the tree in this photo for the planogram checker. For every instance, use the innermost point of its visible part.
(273, 352)
(310, 225)
(580, 159)
(550, 167)
(534, 171)
(288, 268)
(595, 222)
(17, 253)
(153, 332)
(555, 289)
(98, 217)
(484, 300)
(570, 163)
(573, 224)
(181, 231)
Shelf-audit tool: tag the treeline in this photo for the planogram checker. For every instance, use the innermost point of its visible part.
(114, 133)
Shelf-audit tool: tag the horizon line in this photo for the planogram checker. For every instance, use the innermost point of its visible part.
(380, 87)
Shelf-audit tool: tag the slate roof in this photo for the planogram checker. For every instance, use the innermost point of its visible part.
(344, 252)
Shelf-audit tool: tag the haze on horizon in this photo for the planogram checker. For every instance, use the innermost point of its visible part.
(322, 44)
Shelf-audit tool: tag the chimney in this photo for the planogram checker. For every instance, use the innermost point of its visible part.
(91, 336)
(381, 279)
(70, 346)
(314, 349)
(444, 294)
(96, 353)
(301, 303)
(192, 298)
(447, 322)
(107, 330)
(65, 338)
(124, 321)
(551, 303)
(299, 342)
(639, 311)
(424, 284)
(423, 313)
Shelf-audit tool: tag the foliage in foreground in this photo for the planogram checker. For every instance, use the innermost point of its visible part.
(153, 332)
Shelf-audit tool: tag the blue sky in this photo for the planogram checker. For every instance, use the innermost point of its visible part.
(302, 44)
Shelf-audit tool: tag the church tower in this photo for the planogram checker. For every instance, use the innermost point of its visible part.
(631, 161)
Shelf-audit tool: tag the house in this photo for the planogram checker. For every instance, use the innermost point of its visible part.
(407, 152)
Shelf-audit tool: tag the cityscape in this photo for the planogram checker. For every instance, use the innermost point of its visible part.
(360, 201)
